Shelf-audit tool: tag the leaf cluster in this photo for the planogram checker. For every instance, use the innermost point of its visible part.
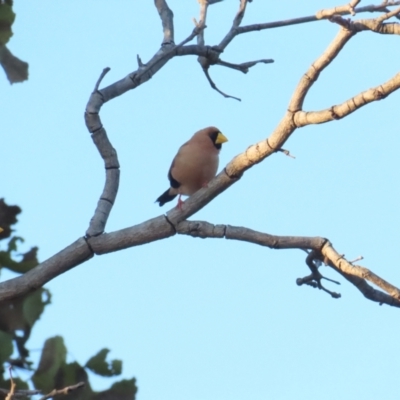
(17, 319)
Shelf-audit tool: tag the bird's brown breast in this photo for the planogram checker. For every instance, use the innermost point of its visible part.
(194, 166)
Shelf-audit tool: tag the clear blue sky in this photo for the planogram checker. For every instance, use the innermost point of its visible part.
(209, 319)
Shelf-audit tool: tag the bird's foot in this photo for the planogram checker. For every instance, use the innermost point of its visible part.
(205, 185)
(180, 203)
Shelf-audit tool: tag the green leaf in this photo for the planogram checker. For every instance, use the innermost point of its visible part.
(29, 259)
(8, 217)
(100, 366)
(6, 346)
(122, 390)
(34, 305)
(7, 17)
(52, 358)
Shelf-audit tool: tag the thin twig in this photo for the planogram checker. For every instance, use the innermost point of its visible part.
(13, 385)
(310, 18)
(286, 153)
(244, 67)
(214, 86)
(102, 75)
(202, 21)
(388, 15)
(66, 390)
(21, 392)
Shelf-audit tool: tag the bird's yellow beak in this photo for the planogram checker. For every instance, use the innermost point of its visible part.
(220, 138)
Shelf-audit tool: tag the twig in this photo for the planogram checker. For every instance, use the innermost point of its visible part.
(167, 19)
(10, 394)
(310, 18)
(359, 258)
(102, 75)
(235, 25)
(286, 152)
(303, 118)
(240, 14)
(66, 390)
(139, 61)
(353, 4)
(21, 392)
(202, 21)
(244, 67)
(214, 86)
(388, 15)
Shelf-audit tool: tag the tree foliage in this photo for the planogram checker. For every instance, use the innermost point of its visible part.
(16, 70)
(17, 319)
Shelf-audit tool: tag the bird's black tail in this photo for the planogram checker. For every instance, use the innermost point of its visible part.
(165, 198)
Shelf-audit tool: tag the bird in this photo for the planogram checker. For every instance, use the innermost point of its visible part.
(194, 165)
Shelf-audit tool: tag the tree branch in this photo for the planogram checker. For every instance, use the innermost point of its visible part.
(311, 18)
(20, 393)
(357, 275)
(167, 19)
(202, 21)
(244, 67)
(214, 86)
(235, 25)
(66, 390)
(303, 118)
(311, 76)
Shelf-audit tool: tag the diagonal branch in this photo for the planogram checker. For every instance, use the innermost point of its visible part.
(235, 25)
(167, 19)
(310, 77)
(303, 118)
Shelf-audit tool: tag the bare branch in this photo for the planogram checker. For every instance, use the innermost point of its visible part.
(355, 274)
(214, 86)
(167, 19)
(102, 75)
(308, 79)
(310, 18)
(10, 394)
(73, 255)
(388, 15)
(341, 10)
(302, 118)
(240, 14)
(235, 25)
(20, 393)
(244, 67)
(202, 21)
(66, 390)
